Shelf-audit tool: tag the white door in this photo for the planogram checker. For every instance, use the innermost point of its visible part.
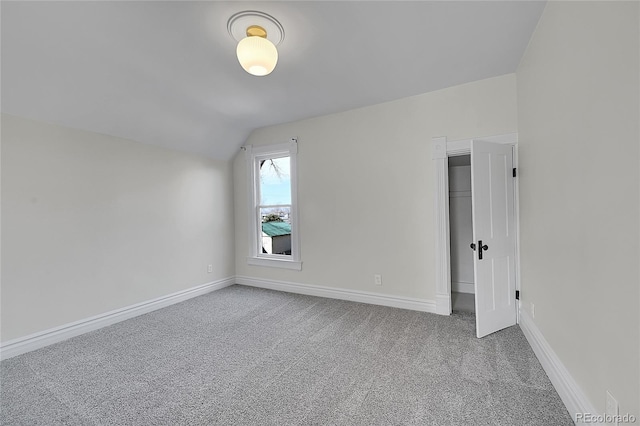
(494, 235)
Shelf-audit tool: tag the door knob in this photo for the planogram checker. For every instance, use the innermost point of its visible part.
(473, 246)
(481, 248)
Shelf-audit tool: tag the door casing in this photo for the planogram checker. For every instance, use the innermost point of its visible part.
(441, 151)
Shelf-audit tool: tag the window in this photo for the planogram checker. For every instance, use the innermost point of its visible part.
(273, 218)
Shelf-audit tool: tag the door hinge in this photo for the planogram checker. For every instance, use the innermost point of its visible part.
(514, 172)
(517, 294)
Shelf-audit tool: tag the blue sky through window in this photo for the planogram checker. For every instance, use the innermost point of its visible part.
(275, 181)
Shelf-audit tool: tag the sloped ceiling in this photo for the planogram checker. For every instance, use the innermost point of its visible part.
(165, 73)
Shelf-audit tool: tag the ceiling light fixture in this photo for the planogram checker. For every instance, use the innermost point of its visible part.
(257, 35)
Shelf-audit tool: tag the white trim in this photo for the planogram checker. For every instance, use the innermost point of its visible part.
(571, 394)
(443, 266)
(507, 138)
(267, 151)
(39, 340)
(441, 150)
(463, 146)
(443, 304)
(463, 287)
(413, 304)
(275, 263)
(457, 148)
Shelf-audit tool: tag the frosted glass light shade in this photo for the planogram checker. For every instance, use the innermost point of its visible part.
(257, 55)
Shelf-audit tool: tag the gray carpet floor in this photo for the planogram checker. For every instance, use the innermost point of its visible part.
(246, 356)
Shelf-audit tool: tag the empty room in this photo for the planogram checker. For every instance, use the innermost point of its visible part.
(320, 212)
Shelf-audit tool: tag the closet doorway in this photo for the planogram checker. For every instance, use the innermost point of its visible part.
(493, 244)
(461, 234)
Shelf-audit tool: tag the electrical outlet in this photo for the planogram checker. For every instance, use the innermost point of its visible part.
(612, 408)
(377, 279)
(210, 269)
(533, 310)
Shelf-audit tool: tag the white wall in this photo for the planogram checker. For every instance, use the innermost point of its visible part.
(92, 223)
(461, 229)
(579, 190)
(366, 179)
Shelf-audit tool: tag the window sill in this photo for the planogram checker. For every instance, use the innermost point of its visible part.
(275, 263)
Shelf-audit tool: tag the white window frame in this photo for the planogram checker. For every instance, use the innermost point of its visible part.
(254, 155)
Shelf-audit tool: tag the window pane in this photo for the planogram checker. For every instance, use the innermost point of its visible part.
(275, 181)
(276, 230)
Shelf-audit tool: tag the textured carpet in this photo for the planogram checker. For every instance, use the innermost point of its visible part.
(246, 356)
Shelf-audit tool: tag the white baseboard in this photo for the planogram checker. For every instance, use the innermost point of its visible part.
(443, 304)
(336, 293)
(39, 340)
(571, 394)
(462, 287)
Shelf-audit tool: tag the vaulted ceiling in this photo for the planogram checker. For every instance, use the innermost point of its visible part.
(165, 73)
